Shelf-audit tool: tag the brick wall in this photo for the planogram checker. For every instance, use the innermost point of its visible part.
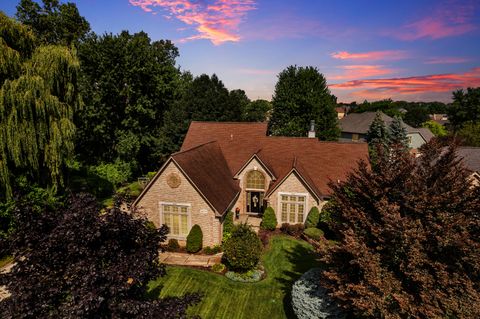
(200, 212)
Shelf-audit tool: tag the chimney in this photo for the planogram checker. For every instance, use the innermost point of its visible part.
(311, 133)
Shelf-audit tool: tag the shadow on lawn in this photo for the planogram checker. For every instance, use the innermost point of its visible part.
(302, 260)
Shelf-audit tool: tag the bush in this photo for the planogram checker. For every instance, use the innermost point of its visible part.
(172, 245)
(227, 226)
(218, 268)
(312, 218)
(116, 173)
(294, 230)
(243, 249)
(264, 236)
(253, 275)
(212, 250)
(194, 239)
(269, 220)
(310, 300)
(313, 233)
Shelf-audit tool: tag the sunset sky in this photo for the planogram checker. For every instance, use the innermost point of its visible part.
(405, 50)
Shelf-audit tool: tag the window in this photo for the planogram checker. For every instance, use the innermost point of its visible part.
(354, 137)
(176, 218)
(292, 208)
(255, 180)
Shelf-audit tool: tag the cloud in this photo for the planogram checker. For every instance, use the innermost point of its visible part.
(361, 71)
(214, 20)
(398, 87)
(446, 60)
(450, 18)
(372, 55)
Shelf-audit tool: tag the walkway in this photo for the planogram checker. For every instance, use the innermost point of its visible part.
(253, 221)
(184, 259)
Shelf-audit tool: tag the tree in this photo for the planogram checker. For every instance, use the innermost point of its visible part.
(470, 134)
(465, 108)
(203, 98)
(436, 128)
(398, 133)
(409, 238)
(257, 111)
(79, 263)
(416, 115)
(54, 22)
(378, 132)
(127, 83)
(301, 95)
(38, 98)
(243, 249)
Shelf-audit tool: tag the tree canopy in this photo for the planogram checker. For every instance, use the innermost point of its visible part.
(76, 262)
(301, 95)
(127, 83)
(53, 22)
(398, 132)
(38, 98)
(409, 238)
(465, 108)
(257, 111)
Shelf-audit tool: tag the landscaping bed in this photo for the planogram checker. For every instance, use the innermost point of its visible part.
(285, 260)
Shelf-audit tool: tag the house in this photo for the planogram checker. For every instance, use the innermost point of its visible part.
(355, 126)
(225, 167)
(341, 112)
(441, 119)
(471, 160)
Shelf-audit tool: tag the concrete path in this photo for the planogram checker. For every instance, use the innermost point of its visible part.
(184, 259)
(253, 221)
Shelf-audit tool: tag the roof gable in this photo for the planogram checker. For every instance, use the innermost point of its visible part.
(259, 160)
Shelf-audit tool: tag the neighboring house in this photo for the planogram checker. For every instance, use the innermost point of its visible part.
(355, 126)
(471, 160)
(341, 112)
(441, 119)
(225, 167)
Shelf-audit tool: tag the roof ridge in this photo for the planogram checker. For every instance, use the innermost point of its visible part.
(228, 122)
(193, 148)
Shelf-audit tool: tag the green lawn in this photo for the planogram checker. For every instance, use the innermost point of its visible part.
(285, 261)
(5, 260)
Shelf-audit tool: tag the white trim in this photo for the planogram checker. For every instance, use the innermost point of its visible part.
(279, 205)
(189, 217)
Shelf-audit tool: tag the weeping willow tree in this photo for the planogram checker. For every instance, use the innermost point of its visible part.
(38, 97)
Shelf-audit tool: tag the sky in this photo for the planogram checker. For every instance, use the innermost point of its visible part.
(418, 50)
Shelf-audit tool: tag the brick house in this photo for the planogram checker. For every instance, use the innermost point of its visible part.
(225, 167)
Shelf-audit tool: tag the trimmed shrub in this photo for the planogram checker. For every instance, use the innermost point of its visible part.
(228, 226)
(172, 245)
(310, 300)
(325, 221)
(294, 230)
(212, 250)
(314, 233)
(218, 268)
(194, 239)
(243, 249)
(269, 220)
(312, 218)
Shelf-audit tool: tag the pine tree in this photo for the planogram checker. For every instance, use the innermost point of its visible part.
(38, 97)
(398, 132)
(378, 132)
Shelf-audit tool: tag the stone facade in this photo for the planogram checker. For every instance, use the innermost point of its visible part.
(292, 185)
(172, 186)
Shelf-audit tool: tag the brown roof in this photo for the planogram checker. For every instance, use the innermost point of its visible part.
(207, 168)
(317, 162)
(471, 157)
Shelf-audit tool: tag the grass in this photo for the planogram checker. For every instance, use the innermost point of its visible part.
(285, 261)
(5, 260)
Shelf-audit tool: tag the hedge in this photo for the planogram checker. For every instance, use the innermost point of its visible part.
(269, 220)
(194, 239)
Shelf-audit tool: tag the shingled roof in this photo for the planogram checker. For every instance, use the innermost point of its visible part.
(317, 162)
(359, 123)
(471, 157)
(207, 169)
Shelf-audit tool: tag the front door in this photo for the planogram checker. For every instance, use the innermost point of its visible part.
(255, 202)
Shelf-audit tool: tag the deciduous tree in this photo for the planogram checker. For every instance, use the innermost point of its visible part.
(465, 108)
(301, 95)
(78, 262)
(409, 238)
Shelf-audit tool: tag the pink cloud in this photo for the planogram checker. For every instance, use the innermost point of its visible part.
(361, 71)
(449, 19)
(216, 20)
(399, 87)
(446, 60)
(372, 55)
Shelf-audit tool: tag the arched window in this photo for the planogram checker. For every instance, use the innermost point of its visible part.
(255, 180)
